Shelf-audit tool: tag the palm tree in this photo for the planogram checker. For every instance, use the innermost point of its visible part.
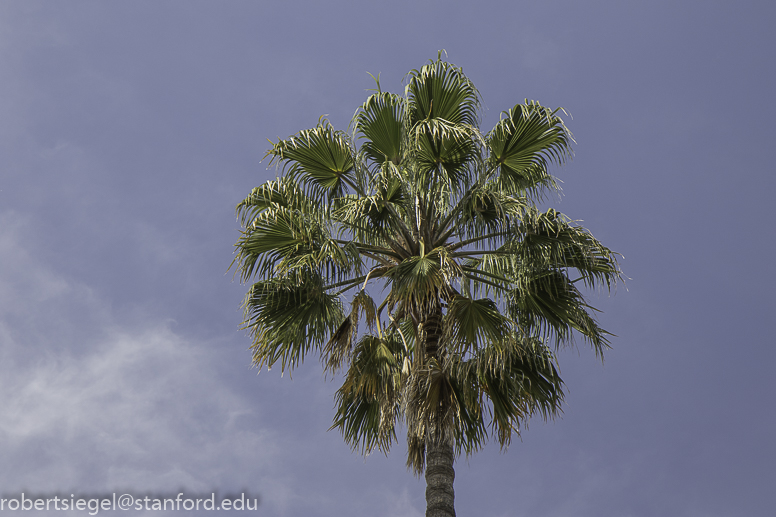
(410, 254)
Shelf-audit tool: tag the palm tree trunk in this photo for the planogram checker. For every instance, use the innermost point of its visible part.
(440, 474)
(440, 496)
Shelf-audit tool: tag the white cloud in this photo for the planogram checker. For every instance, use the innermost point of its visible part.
(90, 406)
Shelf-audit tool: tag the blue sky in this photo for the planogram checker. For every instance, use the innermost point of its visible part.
(130, 130)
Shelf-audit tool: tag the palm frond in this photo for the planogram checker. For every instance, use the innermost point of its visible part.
(321, 157)
(280, 193)
(520, 379)
(549, 239)
(473, 324)
(286, 317)
(444, 149)
(368, 403)
(523, 144)
(547, 302)
(279, 240)
(416, 281)
(380, 121)
(440, 90)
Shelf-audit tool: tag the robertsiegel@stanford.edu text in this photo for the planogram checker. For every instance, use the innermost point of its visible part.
(114, 501)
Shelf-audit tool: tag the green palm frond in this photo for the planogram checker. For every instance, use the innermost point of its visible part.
(373, 218)
(549, 239)
(280, 240)
(275, 238)
(380, 121)
(416, 281)
(470, 429)
(286, 317)
(520, 381)
(362, 423)
(525, 141)
(445, 149)
(368, 403)
(473, 324)
(440, 90)
(551, 305)
(281, 193)
(321, 157)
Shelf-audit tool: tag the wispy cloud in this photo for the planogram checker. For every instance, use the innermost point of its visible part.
(110, 407)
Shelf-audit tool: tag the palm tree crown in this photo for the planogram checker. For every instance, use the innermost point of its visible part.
(410, 254)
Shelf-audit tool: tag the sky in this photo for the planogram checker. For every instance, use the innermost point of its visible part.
(130, 130)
